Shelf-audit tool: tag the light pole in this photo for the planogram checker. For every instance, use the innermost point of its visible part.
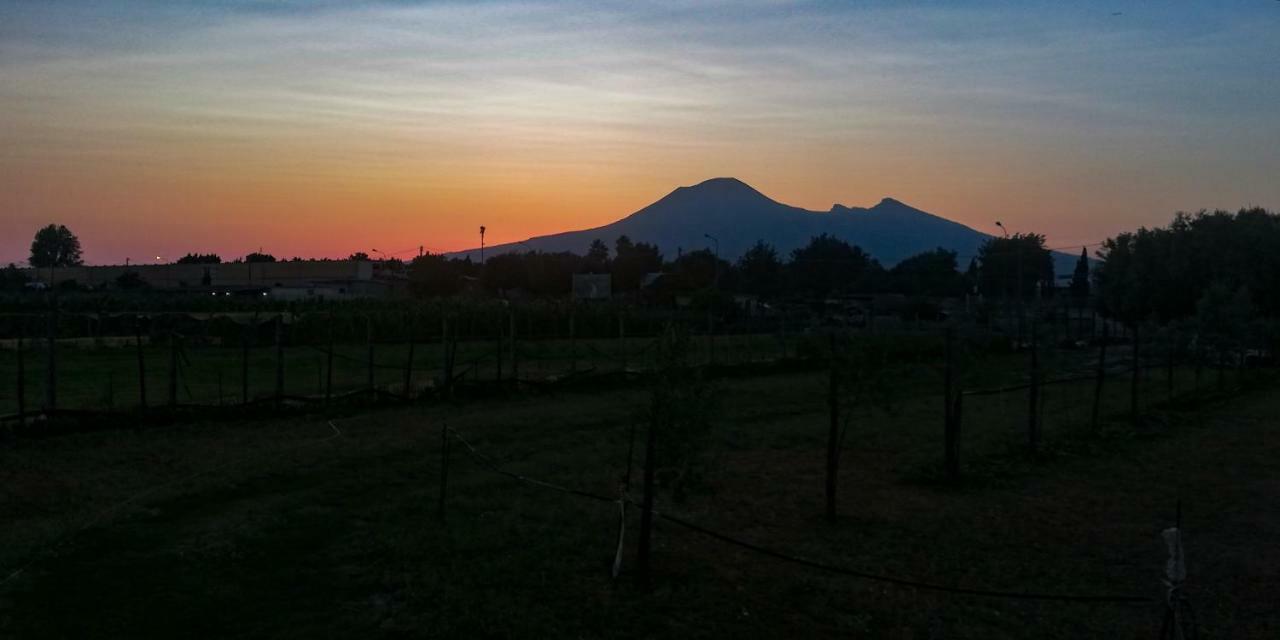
(1001, 225)
(481, 244)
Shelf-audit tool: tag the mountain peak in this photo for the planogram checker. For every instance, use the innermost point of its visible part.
(722, 187)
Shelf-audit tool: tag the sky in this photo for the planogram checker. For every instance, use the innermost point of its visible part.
(318, 129)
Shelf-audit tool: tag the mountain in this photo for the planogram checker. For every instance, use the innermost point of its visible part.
(738, 215)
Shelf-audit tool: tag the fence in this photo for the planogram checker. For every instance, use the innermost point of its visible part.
(101, 363)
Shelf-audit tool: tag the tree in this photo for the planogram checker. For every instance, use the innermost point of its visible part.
(632, 261)
(434, 275)
(1015, 266)
(1080, 278)
(359, 255)
(598, 257)
(200, 258)
(259, 257)
(55, 246)
(931, 273)
(699, 269)
(760, 270)
(828, 264)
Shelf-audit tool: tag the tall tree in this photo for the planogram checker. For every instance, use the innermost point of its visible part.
(55, 246)
(598, 257)
(760, 270)
(1014, 267)
(1080, 278)
(828, 264)
(931, 273)
(632, 261)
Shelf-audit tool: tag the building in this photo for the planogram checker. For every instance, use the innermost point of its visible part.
(290, 280)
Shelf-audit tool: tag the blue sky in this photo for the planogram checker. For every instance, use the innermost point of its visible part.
(321, 128)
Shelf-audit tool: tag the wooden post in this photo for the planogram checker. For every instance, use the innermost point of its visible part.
(279, 360)
(622, 339)
(515, 354)
(445, 444)
(953, 454)
(497, 359)
(1137, 373)
(646, 512)
(408, 365)
(1098, 383)
(173, 369)
(142, 362)
(444, 350)
(51, 384)
(573, 342)
(22, 372)
(328, 369)
(949, 401)
(711, 337)
(833, 431)
(368, 336)
(1033, 399)
(244, 361)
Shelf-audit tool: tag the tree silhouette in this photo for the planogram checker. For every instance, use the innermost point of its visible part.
(1015, 266)
(828, 264)
(55, 246)
(1080, 278)
(259, 257)
(760, 270)
(200, 258)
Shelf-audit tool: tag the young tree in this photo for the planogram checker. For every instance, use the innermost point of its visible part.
(55, 246)
(1080, 278)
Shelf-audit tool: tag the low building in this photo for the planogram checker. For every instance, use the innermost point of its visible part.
(292, 279)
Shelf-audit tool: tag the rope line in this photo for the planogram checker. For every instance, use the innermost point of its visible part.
(779, 555)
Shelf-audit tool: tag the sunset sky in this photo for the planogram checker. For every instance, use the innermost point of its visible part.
(322, 128)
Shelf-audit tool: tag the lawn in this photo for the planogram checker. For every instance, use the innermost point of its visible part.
(295, 527)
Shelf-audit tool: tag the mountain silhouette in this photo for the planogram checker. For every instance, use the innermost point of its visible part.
(738, 215)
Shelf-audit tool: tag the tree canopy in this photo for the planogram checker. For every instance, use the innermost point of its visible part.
(55, 246)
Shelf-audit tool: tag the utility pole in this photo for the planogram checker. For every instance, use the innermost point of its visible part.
(481, 244)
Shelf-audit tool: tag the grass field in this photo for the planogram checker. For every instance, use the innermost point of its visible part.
(295, 528)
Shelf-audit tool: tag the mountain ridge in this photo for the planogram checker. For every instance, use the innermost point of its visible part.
(737, 215)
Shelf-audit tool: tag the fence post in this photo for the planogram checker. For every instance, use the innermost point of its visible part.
(1169, 364)
(497, 375)
(622, 338)
(1033, 406)
(573, 341)
(1137, 373)
(328, 369)
(515, 355)
(368, 336)
(244, 361)
(22, 372)
(51, 386)
(408, 365)
(646, 511)
(142, 362)
(279, 342)
(833, 431)
(948, 401)
(953, 453)
(173, 369)
(1101, 377)
(445, 444)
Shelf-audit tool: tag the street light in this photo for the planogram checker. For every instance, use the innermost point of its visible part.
(481, 244)
(1001, 225)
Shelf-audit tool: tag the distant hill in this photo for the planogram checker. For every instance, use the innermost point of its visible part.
(738, 216)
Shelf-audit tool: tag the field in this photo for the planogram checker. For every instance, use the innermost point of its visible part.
(312, 526)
